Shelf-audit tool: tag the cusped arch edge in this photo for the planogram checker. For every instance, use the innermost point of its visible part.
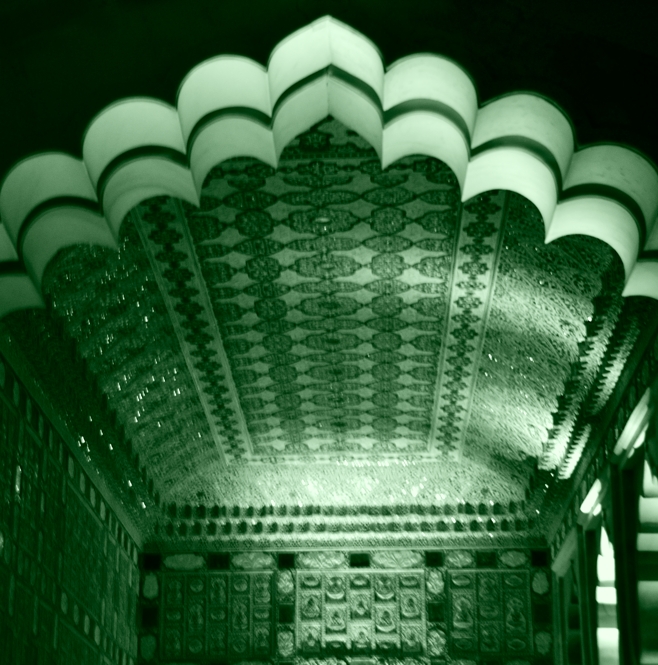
(231, 106)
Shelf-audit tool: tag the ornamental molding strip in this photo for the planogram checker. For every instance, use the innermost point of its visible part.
(231, 106)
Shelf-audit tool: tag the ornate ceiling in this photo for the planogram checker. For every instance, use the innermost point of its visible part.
(313, 328)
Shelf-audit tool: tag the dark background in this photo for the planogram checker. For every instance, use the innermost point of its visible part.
(62, 61)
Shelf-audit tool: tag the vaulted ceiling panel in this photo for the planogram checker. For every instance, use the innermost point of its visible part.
(333, 317)
(265, 306)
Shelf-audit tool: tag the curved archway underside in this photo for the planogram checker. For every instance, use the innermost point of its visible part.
(335, 312)
(231, 106)
(372, 292)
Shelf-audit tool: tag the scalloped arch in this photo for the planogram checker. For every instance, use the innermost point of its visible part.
(231, 106)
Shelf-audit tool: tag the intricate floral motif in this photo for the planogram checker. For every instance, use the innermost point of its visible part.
(285, 643)
(513, 558)
(436, 643)
(322, 560)
(275, 263)
(435, 583)
(543, 643)
(540, 584)
(459, 559)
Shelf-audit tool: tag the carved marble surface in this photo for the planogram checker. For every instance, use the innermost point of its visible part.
(462, 605)
(513, 558)
(354, 612)
(253, 561)
(397, 559)
(322, 559)
(217, 615)
(69, 581)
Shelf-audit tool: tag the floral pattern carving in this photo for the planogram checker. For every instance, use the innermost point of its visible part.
(458, 608)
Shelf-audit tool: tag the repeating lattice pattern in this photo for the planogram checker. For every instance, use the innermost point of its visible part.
(68, 570)
(330, 311)
(328, 606)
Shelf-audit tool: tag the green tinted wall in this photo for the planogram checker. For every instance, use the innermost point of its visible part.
(68, 574)
(377, 607)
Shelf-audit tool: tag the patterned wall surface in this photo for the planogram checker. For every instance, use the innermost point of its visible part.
(68, 573)
(330, 607)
